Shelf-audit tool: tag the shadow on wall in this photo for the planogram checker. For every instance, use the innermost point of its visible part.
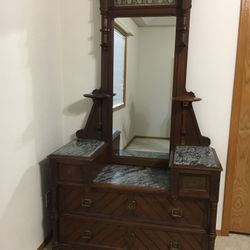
(165, 127)
(32, 118)
(82, 53)
(17, 219)
(128, 125)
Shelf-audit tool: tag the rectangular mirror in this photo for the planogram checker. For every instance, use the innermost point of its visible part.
(144, 49)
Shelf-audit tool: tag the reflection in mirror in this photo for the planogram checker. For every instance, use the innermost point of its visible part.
(142, 82)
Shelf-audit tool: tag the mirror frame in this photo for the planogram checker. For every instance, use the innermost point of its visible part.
(184, 126)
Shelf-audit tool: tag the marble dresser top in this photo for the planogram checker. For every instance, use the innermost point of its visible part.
(80, 148)
(195, 156)
(134, 175)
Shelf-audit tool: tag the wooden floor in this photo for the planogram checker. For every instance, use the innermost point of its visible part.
(233, 242)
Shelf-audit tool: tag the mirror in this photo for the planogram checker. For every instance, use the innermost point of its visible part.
(144, 49)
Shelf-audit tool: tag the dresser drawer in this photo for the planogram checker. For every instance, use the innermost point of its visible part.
(150, 207)
(114, 235)
(80, 173)
(194, 185)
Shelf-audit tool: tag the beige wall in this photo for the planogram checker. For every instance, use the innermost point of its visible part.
(210, 71)
(124, 119)
(154, 81)
(31, 117)
(81, 60)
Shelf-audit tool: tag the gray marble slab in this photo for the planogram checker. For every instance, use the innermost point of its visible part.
(115, 132)
(195, 156)
(142, 154)
(79, 148)
(134, 175)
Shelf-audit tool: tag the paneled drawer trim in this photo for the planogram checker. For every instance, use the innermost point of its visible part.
(194, 185)
(82, 173)
(111, 234)
(158, 208)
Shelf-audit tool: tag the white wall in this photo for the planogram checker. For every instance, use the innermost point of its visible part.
(124, 119)
(154, 82)
(213, 38)
(211, 67)
(30, 107)
(81, 38)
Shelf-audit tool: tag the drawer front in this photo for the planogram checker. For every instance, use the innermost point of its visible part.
(194, 185)
(139, 206)
(114, 235)
(77, 173)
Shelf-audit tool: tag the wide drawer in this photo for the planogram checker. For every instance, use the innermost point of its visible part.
(149, 207)
(93, 233)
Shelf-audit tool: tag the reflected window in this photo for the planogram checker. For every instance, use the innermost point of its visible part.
(119, 77)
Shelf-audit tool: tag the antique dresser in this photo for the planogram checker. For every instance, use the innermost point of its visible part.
(110, 196)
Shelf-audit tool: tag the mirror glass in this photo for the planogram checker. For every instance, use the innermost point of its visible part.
(142, 82)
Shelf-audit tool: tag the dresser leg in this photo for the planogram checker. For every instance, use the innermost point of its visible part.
(211, 242)
(212, 233)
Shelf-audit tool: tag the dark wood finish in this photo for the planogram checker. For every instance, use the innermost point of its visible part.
(105, 216)
(135, 206)
(89, 215)
(106, 234)
(183, 118)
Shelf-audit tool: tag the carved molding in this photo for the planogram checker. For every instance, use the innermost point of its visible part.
(143, 2)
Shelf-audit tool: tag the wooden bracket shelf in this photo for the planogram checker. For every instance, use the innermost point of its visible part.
(186, 99)
(98, 96)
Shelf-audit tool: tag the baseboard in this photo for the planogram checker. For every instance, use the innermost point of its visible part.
(45, 242)
(218, 233)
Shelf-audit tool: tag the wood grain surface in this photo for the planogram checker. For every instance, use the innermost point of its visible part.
(239, 150)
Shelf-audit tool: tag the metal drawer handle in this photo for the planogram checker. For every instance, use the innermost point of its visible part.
(176, 213)
(174, 245)
(86, 235)
(87, 203)
(131, 205)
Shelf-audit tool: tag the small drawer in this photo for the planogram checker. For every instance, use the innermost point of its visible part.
(194, 185)
(115, 235)
(78, 172)
(158, 208)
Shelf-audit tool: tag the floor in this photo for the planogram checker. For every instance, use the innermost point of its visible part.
(233, 242)
(148, 144)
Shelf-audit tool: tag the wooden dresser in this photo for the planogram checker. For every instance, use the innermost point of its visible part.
(110, 206)
(107, 197)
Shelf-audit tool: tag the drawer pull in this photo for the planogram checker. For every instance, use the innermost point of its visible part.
(174, 245)
(87, 203)
(176, 213)
(131, 205)
(86, 235)
(131, 237)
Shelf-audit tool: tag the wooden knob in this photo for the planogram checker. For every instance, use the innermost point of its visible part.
(174, 245)
(131, 205)
(131, 237)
